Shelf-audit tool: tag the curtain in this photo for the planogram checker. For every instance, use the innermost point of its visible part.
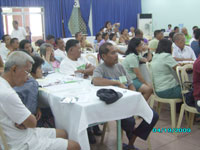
(67, 7)
(85, 13)
(1, 25)
(122, 11)
(52, 13)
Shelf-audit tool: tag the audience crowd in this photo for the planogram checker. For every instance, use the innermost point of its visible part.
(21, 64)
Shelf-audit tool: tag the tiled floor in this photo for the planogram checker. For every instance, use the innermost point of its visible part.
(159, 141)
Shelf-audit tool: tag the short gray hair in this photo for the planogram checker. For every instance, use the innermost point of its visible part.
(43, 48)
(17, 58)
(178, 36)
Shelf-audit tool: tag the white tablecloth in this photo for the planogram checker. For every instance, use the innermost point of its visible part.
(76, 117)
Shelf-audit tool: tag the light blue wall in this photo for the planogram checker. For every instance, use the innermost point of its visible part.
(173, 12)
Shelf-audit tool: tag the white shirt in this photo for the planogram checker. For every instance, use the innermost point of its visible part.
(112, 42)
(187, 52)
(131, 34)
(4, 52)
(61, 54)
(20, 33)
(12, 111)
(69, 66)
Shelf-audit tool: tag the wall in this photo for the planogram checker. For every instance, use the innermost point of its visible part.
(173, 12)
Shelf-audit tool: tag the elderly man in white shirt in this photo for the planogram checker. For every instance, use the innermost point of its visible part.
(18, 32)
(181, 52)
(74, 63)
(60, 51)
(18, 124)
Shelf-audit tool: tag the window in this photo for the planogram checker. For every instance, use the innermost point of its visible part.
(32, 17)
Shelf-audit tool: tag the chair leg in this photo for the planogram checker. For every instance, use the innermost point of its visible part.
(104, 132)
(186, 117)
(149, 143)
(158, 109)
(191, 121)
(151, 103)
(180, 116)
(173, 114)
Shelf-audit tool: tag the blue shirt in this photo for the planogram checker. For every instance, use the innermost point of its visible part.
(196, 48)
(28, 94)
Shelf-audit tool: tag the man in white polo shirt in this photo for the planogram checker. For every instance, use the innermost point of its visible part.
(181, 52)
(18, 32)
(74, 62)
(18, 124)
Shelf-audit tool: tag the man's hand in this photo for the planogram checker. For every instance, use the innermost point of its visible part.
(79, 71)
(38, 114)
(20, 126)
(143, 60)
(122, 86)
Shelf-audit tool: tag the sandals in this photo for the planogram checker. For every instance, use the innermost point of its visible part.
(129, 147)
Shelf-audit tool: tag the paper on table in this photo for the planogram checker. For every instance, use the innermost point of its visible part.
(69, 100)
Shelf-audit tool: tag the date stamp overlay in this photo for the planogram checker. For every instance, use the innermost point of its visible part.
(171, 130)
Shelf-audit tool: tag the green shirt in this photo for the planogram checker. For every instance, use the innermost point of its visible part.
(187, 39)
(162, 68)
(131, 61)
(153, 44)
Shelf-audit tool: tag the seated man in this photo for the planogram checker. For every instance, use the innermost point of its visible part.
(60, 51)
(18, 123)
(74, 63)
(109, 74)
(14, 45)
(153, 44)
(180, 51)
(5, 47)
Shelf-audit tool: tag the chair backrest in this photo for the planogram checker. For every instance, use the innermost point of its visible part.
(183, 77)
(92, 59)
(3, 139)
(151, 77)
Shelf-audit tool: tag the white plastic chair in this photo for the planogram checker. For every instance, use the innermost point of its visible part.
(183, 77)
(92, 59)
(171, 102)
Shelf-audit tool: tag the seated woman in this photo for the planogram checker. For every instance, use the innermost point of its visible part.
(85, 45)
(124, 38)
(195, 45)
(113, 39)
(105, 38)
(108, 27)
(50, 62)
(131, 64)
(162, 67)
(26, 45)
(97, 40)
(28, 93)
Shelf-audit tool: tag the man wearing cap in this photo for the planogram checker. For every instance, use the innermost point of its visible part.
(110, 73)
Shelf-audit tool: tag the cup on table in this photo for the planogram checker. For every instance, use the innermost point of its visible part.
(79, 75)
